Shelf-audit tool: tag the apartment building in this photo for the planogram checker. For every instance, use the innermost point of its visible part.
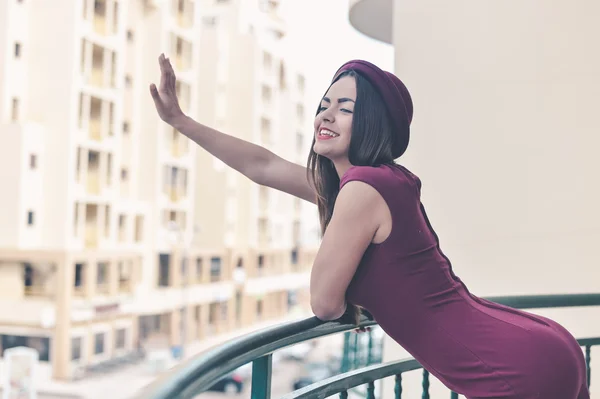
(250, 91)
(117, 232)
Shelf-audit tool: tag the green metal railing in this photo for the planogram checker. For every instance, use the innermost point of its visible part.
(196, 375)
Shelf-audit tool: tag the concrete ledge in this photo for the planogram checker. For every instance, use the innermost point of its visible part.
(373, 18)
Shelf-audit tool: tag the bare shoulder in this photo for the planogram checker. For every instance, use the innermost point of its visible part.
(359, 199)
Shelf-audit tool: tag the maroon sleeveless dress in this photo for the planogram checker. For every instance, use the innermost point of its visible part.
(477, 348)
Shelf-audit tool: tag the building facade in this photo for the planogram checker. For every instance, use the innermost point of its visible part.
(117, 233)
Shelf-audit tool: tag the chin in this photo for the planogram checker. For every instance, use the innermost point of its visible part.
(329, 153)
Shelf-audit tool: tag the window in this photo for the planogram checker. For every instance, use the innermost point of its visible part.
(127, 81)
(261, 261)
(124, 174)
(17, 50)
(40, 344)
(215, 268)
(300, 111)
(32, 161)
(259, 308)
(301, 83)
(75, 348)
(163, 270)
(299, 141)
(120, 338)
(125, 127)
(102, 273)
(78, 275)
(15, 109)
(209, 21)
(139, 228)
(266, 93)
(30, 218)
(199, 269)
(98, 343)
(267, 60)
(224, 311)
(130, 35)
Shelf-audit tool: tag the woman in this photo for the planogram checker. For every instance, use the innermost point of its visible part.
(380, 252)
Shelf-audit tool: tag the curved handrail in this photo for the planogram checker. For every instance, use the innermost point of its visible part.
(352, 379)
(195, 375)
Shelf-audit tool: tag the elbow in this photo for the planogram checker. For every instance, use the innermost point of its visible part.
(324, 311)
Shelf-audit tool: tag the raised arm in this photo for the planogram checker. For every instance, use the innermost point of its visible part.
(255, 162)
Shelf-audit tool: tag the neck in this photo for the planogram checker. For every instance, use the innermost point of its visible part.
(341, 166)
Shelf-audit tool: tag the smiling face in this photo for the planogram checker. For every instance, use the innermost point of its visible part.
(333, 123)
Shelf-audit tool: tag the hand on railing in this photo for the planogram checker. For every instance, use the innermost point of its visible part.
(362, 330)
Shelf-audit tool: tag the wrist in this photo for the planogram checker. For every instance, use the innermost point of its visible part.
(179, 121)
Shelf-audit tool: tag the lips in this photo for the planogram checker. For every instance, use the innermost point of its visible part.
(326, 134)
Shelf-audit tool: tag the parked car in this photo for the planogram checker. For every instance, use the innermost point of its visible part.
(314, 372)
(233, 383)
(296, 352)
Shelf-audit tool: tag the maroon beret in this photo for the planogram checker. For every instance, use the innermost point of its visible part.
(395, 95)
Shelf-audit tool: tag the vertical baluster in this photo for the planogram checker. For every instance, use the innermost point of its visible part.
(453, 395)
(425, 384)
(371, 390)
(398, 386)
(344, 395)
(588, 363)
(261, 377)
(370, 353)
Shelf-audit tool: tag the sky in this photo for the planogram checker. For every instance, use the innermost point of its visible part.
(321, 38)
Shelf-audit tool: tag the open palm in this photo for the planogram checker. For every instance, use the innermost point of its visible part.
(165, 96)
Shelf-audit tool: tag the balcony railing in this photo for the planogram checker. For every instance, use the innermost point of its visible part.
(195, 376)
(36, 291)
(93, 183)
(91, 236)
(95, 129)
(100, 24)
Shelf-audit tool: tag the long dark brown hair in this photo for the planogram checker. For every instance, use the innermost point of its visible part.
(370, 145)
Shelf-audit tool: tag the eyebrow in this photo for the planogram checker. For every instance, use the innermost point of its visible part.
(340, 100)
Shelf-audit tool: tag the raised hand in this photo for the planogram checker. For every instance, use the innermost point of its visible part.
(165, 97)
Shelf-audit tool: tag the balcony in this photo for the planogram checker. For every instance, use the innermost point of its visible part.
(91, 236)
(37, 291)
(125, 286)
(373, 18)
(100, 25)
(97, 77)
(95, 129)
(196, 375)
(93, 183)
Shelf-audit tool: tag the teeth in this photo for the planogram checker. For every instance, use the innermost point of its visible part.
(326, 132)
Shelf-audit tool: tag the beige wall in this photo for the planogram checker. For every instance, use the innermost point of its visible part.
(504, 138)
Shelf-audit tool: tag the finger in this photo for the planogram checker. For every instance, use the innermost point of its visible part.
(164, 75)
(172, 77)
(155, 95)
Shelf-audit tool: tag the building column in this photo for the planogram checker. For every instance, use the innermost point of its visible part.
(175, 268)
(174, 328)
(113, 277)
(203, 322)
(90, 271)
(61, 340)
(191, 326)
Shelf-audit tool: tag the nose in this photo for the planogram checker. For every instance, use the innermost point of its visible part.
(327, 115)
